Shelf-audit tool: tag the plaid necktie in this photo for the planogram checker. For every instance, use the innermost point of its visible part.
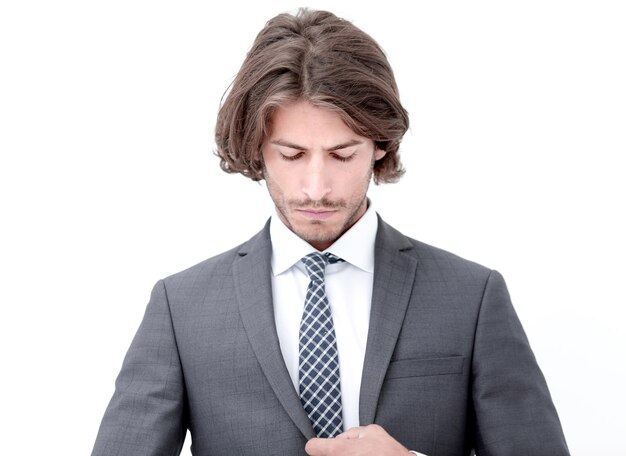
(320, 389)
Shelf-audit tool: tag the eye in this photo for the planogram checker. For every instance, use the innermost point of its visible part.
(343, 158)
(291, 157)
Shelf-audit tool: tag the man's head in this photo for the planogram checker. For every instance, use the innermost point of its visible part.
(317, 171)
(316, 57)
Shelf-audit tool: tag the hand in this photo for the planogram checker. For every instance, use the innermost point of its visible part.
(370, 440)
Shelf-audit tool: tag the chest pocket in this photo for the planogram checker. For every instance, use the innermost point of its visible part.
(423, 367)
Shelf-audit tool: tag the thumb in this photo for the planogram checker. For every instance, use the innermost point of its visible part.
(318, 447)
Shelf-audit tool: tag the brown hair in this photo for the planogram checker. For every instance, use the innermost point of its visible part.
(327, 61)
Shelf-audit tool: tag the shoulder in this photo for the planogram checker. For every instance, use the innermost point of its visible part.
(207, 268)
(433, 261)
(219, 267)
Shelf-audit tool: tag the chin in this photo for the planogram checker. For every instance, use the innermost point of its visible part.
(316, 238)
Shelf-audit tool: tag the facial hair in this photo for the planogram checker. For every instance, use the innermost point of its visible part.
(314, 232)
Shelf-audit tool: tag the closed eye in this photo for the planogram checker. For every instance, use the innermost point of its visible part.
(343, 158)
(291, 157)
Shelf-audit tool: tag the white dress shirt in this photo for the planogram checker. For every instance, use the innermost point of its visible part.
(349, 290)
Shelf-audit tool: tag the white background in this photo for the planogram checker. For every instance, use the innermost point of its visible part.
(108, 182)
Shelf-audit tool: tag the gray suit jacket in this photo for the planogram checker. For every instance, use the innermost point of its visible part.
(448, 369)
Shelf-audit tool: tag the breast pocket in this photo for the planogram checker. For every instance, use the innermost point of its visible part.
(423, 367)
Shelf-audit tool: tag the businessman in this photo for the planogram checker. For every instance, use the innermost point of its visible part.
(329, 332)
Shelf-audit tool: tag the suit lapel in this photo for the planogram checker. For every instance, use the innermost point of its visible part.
(394, 274)
(253, 287)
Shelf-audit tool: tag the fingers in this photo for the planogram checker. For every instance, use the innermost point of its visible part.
(319, 447)
(352, 433)
(332, 446)
(370, 440)
(339, 444)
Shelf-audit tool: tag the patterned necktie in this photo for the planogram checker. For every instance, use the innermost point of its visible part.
(320, 389)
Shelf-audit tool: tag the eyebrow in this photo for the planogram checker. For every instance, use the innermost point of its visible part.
(283, 143)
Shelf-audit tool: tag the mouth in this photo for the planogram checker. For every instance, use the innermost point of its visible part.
(317, 214)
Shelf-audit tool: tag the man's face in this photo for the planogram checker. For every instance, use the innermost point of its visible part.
(317, 172)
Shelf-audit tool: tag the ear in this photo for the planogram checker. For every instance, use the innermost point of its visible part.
(379, 153)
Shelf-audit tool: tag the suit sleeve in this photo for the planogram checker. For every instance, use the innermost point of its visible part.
(147, 413)
(514, 413)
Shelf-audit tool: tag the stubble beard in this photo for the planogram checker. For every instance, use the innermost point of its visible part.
(314, 232)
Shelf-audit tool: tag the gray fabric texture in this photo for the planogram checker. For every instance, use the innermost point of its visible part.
(448, 369)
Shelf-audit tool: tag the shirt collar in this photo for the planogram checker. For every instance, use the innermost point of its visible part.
(356, 246)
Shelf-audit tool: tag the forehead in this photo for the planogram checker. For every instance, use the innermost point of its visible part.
(301, 119)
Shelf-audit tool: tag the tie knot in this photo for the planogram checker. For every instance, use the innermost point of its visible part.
(315, 264)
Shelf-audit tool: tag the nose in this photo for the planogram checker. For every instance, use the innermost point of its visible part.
(316, 181)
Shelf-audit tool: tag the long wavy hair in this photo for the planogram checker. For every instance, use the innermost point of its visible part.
(317, 57)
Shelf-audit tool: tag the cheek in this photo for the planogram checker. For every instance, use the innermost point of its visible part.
(285, 179)
(356, 180)
(273, 172)
(350, 188)
(280, 180)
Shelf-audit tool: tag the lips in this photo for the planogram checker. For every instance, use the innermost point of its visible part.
(317, 214)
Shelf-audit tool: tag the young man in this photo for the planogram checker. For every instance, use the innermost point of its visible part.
(329, 332)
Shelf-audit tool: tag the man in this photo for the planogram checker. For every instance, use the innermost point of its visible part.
(329, 332)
